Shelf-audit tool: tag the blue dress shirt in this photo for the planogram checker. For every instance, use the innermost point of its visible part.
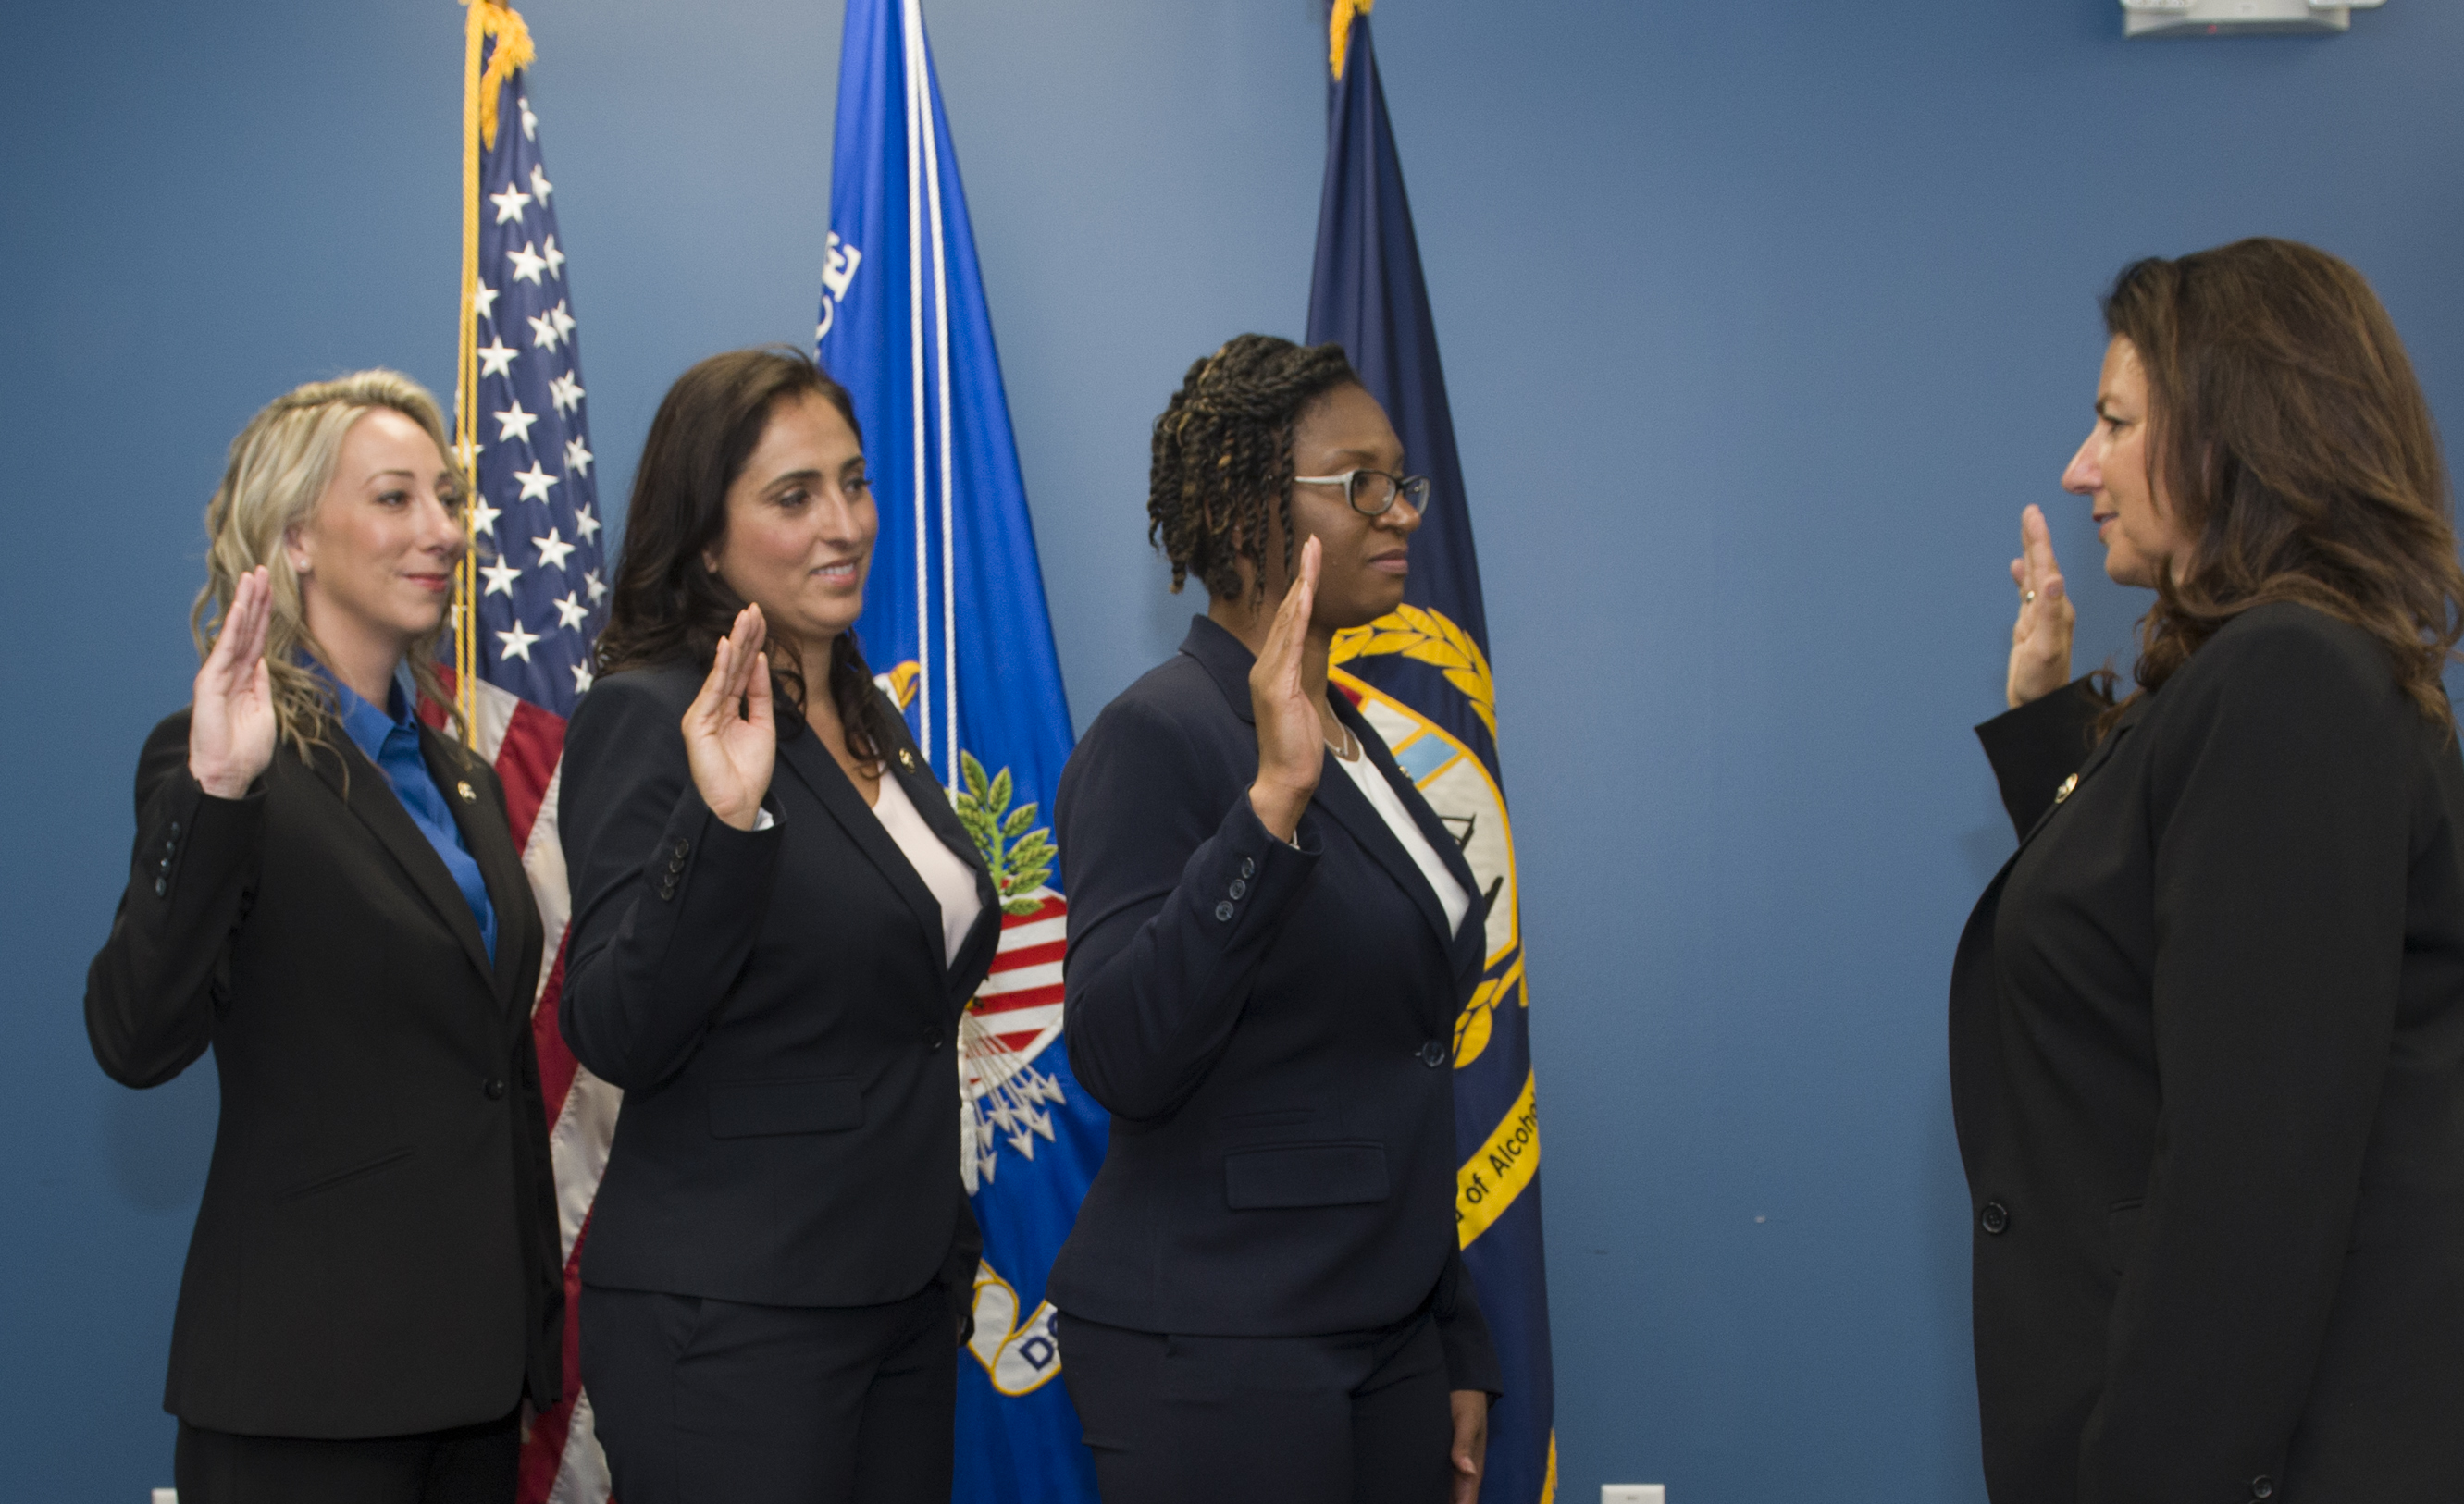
(390, 737)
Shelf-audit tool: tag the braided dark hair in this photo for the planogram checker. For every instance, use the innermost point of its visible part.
(1224, 455)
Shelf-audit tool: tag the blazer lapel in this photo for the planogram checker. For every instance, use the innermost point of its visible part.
(1342, 799)
(489, 840)
(361, 787)
(2095, 759)
(1469, 939)
(821, 772)
(933, 803)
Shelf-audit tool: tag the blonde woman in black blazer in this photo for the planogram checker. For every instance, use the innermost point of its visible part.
(326, 892)
(777, 921)
(2208, 1024)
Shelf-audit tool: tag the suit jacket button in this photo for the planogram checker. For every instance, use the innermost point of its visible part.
(1238, 887)
(175, 827)
(2262, 1487)
(160, 886)
(1223, 912)
(1248, 868)
(1432, 1055)
(668, 890)
(1995, 1217)
(495, 1090)
(679, 849)
(933, 1037)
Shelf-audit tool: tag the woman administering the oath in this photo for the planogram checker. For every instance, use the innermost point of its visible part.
(326, 892)
(776, 921)
(2207, 1025)
(1270, 934)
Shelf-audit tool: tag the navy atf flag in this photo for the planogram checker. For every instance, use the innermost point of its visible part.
(955, 626)
(1421, 677)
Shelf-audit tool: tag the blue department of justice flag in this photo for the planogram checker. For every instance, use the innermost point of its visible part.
(954, 624)
(542, 569)
(1422, 676)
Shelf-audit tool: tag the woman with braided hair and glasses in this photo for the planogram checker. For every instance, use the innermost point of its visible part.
(1270, 934)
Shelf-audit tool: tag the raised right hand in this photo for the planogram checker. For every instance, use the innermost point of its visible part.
(232, 723)
(1291, 735)
(2040, 639)
(732, 751)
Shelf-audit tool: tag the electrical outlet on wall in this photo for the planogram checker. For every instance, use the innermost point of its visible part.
(1633, 1494)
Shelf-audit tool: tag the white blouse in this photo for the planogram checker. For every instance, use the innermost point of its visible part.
(1389, 805)
(952, 881)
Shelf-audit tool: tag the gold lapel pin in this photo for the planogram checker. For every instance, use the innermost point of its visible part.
(2064, 792)
(907, 759)
(464, 788)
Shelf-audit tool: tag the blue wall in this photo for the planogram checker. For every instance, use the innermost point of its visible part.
(1763, 322)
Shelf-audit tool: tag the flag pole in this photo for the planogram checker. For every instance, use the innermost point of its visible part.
(480, 87)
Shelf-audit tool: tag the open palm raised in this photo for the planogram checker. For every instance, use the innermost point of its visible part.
(232, 723)
(733, 750)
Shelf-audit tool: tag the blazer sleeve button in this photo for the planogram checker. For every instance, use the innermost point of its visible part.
(1248, 867)
(1223, 911)
(1238, 887)
(161, 885)
(1994, 1218)
(494, 1088)
(932, 1037)
(1432, 1055)
(2262, 1487)
(679, 849)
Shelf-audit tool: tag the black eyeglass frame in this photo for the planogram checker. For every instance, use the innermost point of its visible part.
(1417, 486)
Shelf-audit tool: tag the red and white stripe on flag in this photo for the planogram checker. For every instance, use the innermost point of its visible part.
(562, 1463)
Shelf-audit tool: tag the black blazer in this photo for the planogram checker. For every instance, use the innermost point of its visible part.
(376, 1252)
(2206, 1035)
(1269, 1026)
(774, 1005)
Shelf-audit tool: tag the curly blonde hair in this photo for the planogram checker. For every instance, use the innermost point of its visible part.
(280, 465)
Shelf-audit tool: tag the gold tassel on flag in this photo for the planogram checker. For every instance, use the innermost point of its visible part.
(479, 91)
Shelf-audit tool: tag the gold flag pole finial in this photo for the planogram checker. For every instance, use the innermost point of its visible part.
(480, 87)
(1338, 31)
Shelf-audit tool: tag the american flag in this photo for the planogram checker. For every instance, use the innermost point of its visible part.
(541, 600)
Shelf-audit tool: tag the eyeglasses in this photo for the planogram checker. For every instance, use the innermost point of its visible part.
(1373, 493)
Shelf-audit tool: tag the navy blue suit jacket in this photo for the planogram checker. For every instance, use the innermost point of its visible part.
(776, 1007)
(1270, 1027)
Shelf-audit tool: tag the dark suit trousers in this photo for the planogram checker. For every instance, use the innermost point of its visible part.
(467, 1464)
(1353, 1418)
(713, 1402)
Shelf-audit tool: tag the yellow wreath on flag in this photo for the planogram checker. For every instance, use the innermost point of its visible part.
(1426, 637)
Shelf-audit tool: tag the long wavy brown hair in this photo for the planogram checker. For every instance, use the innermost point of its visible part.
(665, 605)
(2288, 436)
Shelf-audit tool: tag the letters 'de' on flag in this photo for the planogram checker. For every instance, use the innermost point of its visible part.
(533, 599)
(1421, 677)
(955, 626)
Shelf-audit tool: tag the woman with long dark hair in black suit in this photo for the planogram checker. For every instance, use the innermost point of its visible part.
(1270, 934)
(2208, 1024)
(326, 892)
(777, 919)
